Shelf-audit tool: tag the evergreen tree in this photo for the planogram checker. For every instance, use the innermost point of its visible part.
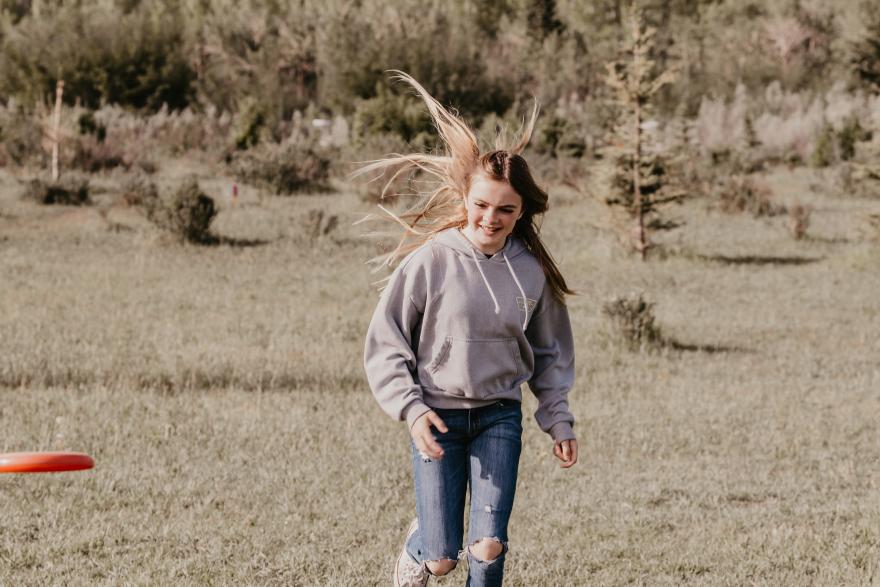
(635, 176)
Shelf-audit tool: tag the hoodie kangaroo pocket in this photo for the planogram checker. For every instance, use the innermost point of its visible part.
(476, 368)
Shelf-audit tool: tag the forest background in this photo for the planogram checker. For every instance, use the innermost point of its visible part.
(187, 299)
(227, 77)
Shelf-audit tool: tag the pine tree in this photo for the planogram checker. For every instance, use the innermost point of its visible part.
(635, 175)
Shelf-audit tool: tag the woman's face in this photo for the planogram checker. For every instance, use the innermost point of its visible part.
(493, 207)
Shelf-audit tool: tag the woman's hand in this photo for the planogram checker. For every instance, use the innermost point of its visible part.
(567, 452)
(422, 437)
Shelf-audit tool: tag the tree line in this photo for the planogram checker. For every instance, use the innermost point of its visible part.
(275, 57)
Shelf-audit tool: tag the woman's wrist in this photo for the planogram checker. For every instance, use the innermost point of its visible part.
(562, 431)
(413, 412)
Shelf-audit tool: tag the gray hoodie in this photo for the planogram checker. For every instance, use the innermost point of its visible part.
(455, 328)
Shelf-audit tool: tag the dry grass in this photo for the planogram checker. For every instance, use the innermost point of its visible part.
(221, 393)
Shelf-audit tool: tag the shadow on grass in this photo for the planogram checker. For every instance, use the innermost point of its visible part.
(833, 240)
(217, 241)
(712, 349)
(759, 259)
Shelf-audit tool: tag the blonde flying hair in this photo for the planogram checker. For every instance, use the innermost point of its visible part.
(452, 172)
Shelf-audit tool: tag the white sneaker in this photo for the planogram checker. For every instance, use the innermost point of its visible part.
(407, 572)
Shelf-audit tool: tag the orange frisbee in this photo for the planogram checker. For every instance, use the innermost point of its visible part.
(44, 462)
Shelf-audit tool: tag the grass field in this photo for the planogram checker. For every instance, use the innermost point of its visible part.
(221, 392)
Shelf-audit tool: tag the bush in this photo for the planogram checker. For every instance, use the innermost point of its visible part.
(171, 132)
(139, 191)
(92, 155)
(21, 135)
(633, 320)
(284, 169)
(187, 213)
(835, 145)
(848, 136)
(70, 190)
(740, 194)
(396, 114)
(823, 153)
(559, 134)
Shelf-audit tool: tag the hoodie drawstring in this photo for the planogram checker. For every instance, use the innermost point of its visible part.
(515, 279)
(521, 291)
(486, 281)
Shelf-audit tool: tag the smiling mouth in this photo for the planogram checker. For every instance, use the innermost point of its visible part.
(490, 229)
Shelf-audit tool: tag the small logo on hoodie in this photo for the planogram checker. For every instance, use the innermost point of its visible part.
(522, 305)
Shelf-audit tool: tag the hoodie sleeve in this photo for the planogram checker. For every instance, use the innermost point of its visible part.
(549, 333)
(389, 358)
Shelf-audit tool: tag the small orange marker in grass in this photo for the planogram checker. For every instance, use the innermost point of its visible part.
(44, 462)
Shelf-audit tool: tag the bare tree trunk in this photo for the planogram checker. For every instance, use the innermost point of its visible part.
(641, 240)
(640, 237)
(56, 128)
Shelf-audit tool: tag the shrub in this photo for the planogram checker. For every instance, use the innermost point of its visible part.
(92, 155)
(283, 169)
(69, 190)
(138, 190)
(21, 135)
(187, 213)
(823, 154)
(741, 194)
(391, 113)
(633, 321)
(566, 131)
(847, 137)
(864, 170)
(838, 144)
(720, 127)
(173, 132)
(791, 136)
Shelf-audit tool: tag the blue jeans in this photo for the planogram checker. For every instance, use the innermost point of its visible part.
(481, 448)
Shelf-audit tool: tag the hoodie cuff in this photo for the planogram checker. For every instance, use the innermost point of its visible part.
(413, 412)
(562, 431)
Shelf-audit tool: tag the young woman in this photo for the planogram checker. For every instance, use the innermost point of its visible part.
(474, 309)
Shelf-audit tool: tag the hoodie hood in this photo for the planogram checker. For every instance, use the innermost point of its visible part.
(513, 247)
(455, 240)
